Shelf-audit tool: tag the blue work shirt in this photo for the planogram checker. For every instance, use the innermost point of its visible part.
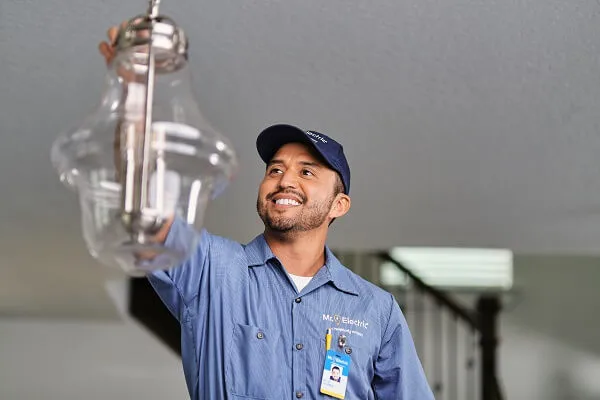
(247, 333)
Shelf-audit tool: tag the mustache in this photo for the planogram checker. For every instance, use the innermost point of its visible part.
(286, 191)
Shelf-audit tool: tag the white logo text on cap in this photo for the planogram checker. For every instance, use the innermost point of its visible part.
(316, 136)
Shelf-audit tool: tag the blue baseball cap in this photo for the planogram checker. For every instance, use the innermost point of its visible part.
(272, 138)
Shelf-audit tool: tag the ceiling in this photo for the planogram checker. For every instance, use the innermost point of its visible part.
(466, 123)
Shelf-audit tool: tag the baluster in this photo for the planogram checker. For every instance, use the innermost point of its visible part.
(438, 354)
(471, 348)
(453, 358)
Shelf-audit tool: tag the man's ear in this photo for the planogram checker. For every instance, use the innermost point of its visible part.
(341, 205)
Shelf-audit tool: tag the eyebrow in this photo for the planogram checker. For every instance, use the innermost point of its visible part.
(305, 163)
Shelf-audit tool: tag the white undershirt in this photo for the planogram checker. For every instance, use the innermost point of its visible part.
(300, 281)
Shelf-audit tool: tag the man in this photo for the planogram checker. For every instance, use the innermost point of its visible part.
(254, 317)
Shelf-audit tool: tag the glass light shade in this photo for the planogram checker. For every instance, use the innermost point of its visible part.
(134, 167)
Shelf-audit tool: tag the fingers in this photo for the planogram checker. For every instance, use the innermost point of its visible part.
(112, 33)
(107, 51)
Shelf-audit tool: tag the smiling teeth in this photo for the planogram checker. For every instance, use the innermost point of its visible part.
(287, 202)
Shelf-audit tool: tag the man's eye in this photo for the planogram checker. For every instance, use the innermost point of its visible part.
(307, 172)
(274, 171)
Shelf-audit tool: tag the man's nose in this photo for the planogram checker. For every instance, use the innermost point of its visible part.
(288, 180)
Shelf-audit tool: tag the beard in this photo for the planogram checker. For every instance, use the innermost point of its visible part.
(310, 216)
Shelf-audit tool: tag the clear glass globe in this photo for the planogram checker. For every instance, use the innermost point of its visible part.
(135, 174)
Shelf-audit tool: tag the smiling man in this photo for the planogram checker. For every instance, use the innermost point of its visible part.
(254, 317)
(269, 319)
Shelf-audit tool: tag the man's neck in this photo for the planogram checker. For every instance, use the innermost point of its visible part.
(301, 253)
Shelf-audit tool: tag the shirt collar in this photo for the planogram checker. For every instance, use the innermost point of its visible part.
(259, 253)
(341, 276)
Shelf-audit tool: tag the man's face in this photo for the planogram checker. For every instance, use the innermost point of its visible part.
(335, 373)
(297, 191)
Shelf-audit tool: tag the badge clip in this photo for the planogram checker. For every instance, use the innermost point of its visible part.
(341, 341)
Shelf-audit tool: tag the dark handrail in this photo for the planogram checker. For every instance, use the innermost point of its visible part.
(438, 295)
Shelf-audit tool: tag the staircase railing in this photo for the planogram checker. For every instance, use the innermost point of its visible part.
(457, 343)
(478, 323)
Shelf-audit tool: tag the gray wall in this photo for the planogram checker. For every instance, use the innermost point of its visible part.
(550, 348)
(56, 359)
(94, 358)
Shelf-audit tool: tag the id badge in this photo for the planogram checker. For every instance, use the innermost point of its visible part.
(335, 374)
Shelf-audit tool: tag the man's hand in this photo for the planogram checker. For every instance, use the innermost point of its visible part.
(107, 48)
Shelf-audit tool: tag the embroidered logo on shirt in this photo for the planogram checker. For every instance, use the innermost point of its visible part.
(342, 320)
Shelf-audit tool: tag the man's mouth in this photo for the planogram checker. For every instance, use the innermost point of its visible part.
(286, 202)
(286, 199)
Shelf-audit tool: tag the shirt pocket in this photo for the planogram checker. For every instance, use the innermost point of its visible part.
(252, 363)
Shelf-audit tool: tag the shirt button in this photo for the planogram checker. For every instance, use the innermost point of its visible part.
(298, 300)
(260, 335)
(299, 346)
(299, 395)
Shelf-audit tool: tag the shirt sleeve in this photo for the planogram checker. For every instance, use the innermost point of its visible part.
(398, 370)
(180, 286)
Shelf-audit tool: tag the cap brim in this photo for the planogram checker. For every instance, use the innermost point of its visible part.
(270, 140)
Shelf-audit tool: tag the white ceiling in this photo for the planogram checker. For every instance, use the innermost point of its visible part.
(466, 123)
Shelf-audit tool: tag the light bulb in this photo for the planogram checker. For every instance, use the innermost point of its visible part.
(146, 155)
